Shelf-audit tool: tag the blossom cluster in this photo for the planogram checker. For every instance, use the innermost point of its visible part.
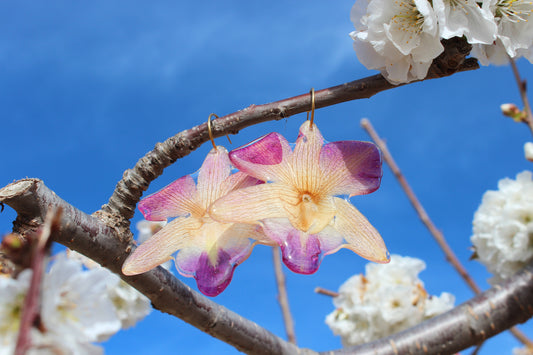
(79, 307)
(402, 37)
(503, 227)
(388, 299)
(280, 196)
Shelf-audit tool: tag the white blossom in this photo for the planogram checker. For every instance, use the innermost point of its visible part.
(465, 17)
(75, 302)
(400, 38)
(388, 299)
(12, 293)
(503, 227)
(49, 343)
(131, 306)
(515, 32)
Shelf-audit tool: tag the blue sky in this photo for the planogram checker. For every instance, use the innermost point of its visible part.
(87, 88)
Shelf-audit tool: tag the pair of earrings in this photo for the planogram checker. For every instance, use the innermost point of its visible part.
(279, 197)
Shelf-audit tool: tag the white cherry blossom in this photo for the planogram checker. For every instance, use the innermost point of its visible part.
(388, 299)
(465, 17)
(400, 38)
(12, 293)
(75, 302)
(515, 32)
(503, 227)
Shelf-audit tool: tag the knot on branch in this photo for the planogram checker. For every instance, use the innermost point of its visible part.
(452, 58)
(117, 223)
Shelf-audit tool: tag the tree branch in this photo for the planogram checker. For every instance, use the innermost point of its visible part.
(91, 237)
(487, 314)
(135, 181)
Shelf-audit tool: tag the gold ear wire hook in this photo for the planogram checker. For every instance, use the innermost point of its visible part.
(312, 92)
(211, 132)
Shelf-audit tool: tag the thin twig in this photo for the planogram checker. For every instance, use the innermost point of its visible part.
(283, 297)
(522, 87)
(30, 309)
(422, 214)
(326, 292)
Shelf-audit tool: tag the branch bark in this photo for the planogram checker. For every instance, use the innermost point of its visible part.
(91, 237)
(487, 314)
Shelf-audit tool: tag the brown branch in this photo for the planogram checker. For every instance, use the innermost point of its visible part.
(484, 316)
(489, 313)
(135, 181)
(522, 88)
(422, 214)
(283, 297)
(91, 237)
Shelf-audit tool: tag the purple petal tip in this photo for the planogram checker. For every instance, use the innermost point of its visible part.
(302, 259)
(213, 279)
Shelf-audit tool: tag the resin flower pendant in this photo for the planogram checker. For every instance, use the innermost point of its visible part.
(209, 250)
(297, 208)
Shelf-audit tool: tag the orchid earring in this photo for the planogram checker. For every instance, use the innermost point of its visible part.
(208, 250)
(297, 207)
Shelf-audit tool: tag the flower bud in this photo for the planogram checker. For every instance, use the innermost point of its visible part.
(511, 110)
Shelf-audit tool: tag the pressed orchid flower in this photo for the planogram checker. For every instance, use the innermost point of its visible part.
(209, 251)
(297, 208)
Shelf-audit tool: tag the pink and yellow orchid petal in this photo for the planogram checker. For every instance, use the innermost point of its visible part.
(213, 268)
(302, 252)
(237, 181)
(215, 169)
(306, 174)
(362, 237)
(252, 204)
(265, 158)
(159, 248)
(309, 213)
(242, 231)
(176, 199)
(352, 167)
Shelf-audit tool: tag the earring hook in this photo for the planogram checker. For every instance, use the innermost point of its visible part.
(211, 132)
